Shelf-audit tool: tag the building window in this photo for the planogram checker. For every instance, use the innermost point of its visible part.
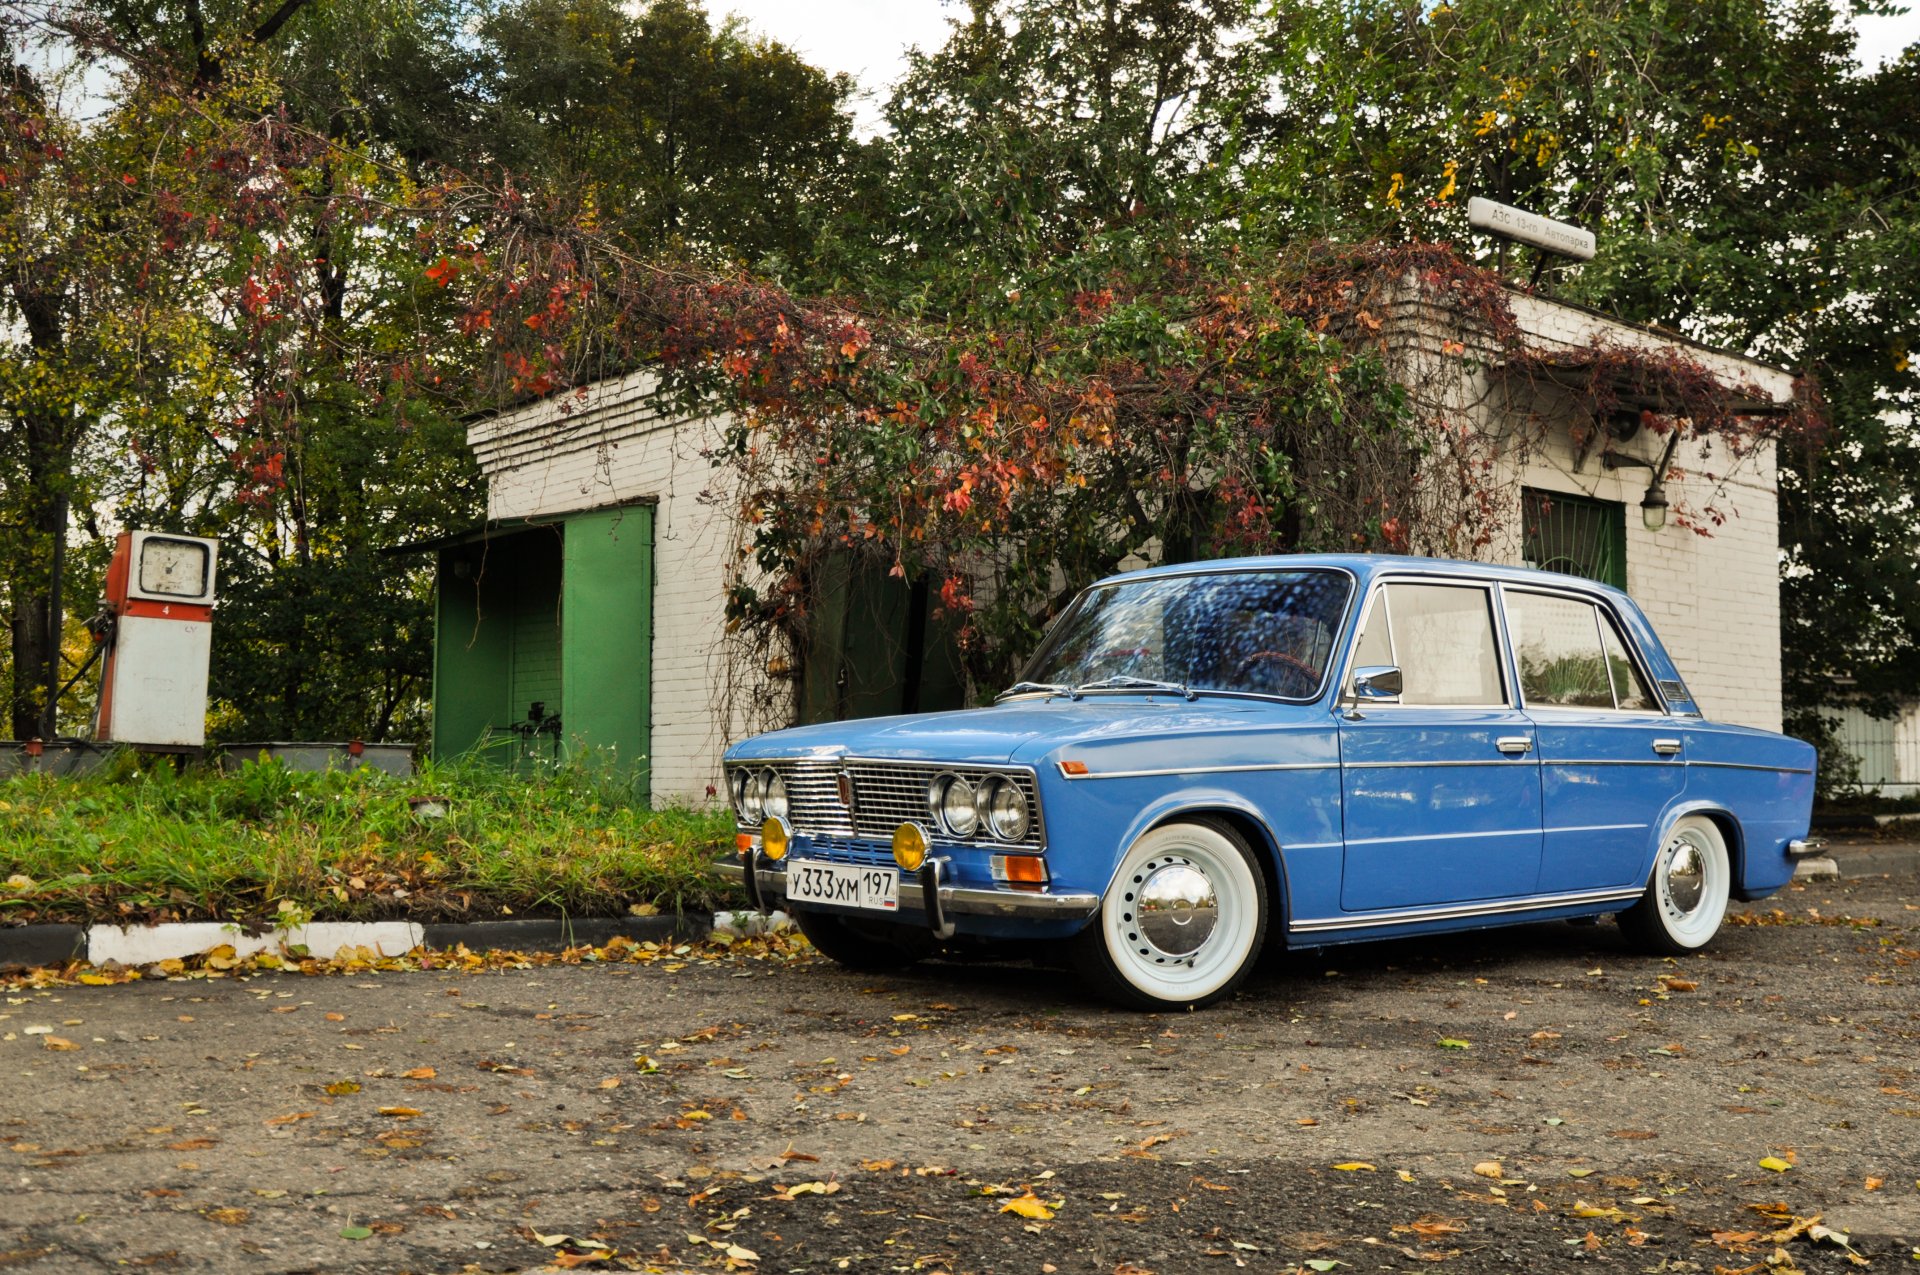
(1574, 535)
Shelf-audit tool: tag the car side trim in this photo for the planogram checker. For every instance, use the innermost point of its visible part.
(1458, 911)
(1616, 761)
(1444, 836)
(1198, 770)
(1498, 759)
(1743, 765)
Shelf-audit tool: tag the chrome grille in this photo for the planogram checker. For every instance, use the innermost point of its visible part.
(813, 798)
(887, 795)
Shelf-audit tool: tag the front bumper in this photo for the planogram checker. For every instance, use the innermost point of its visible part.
(1806, 847)
(771, 883)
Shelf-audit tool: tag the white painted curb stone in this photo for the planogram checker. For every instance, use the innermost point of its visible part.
(146, 944)
(740, 924)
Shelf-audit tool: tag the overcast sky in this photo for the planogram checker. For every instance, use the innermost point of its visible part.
(868, 39)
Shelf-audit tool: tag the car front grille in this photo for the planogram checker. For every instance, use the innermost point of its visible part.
(886, 795)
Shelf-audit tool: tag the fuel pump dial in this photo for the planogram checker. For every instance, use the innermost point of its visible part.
(173, 568)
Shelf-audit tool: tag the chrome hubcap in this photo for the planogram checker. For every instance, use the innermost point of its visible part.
(1175, 908)
(1686, 876)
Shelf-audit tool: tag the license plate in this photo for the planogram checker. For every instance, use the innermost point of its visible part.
(845, 884)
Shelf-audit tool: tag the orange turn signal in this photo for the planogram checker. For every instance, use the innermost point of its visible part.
(1023, 869)
(743, 841)
(1073, 768)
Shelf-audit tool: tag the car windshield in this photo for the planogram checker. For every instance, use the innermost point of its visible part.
(1254, 632)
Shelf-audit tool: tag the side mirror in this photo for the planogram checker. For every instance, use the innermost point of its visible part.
(1377, 681)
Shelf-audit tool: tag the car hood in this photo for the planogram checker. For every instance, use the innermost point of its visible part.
(1023, 729)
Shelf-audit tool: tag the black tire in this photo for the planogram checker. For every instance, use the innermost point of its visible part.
(1686, 897)
(1122, 960)
(868, 947)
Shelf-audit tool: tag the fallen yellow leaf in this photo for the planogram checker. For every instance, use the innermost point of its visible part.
(400, 1113)
(1489, 1169)
(419, 1073)
(1355, 1166)
(1774, 1163)
(1028, 1206)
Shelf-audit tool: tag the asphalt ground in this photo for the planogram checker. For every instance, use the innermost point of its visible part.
(1523, 1099)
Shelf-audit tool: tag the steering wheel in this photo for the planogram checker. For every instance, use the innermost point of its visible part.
(1297, 678)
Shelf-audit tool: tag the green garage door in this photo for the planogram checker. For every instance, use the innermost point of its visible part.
(544, 644)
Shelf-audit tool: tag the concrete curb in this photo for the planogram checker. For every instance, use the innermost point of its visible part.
(31, 945)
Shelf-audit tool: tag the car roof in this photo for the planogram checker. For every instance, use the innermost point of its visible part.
(1368, 565)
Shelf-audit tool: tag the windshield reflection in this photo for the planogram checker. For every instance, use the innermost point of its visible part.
(1254, 632)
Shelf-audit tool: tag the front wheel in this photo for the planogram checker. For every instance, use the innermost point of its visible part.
(1687, 898)
(1182, 922)
(868, 947)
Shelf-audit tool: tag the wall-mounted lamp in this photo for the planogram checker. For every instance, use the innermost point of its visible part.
(1653, 505)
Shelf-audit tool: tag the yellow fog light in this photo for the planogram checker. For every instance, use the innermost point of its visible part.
(774, 835)
(909, 846)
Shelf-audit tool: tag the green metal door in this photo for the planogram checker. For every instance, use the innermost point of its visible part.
(606, 649)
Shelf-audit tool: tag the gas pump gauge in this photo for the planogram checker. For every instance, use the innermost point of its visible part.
(174, 568)
(169, 568)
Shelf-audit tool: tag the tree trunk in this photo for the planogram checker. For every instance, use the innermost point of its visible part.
(48, 462)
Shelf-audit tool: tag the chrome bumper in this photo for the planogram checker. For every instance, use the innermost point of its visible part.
(1806, 847)
(964, 899)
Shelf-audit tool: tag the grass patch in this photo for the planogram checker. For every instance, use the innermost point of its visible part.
(267, 845)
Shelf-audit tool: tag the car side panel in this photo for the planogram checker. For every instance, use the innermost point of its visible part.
(1765, 781)
(1287, 781)
(1604, 790)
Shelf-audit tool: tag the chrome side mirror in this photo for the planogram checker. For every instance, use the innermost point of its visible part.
(1377, 681)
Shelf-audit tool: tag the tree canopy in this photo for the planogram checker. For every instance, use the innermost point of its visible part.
(262, 259)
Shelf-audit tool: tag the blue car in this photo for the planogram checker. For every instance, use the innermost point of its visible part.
(1207, 759)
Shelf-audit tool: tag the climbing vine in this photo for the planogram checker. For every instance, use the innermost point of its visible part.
(1335, 398)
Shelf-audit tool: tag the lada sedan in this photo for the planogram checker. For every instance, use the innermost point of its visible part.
(1206, 759)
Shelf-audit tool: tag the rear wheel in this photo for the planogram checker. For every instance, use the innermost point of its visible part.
(1182, 922)
(870, 947)
(1687, 898)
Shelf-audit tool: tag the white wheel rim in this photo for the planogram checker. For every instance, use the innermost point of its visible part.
(1690, 884)
(1181, 951)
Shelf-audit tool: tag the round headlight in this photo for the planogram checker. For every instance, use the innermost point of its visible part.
(753, 797)
(1004, 807)
(773, 795)
(936, 796)
(957, 809)
(737, 791)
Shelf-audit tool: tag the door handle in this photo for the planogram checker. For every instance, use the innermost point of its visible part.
(1666, 747)
(1514, 745)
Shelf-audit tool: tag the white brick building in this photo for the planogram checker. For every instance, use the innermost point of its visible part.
(579, 461)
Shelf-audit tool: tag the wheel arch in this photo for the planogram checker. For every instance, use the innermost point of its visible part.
(1253, 830)
(1730, 832)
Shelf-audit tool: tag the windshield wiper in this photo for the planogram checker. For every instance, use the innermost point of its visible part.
(1122, 682)
(1051, 688)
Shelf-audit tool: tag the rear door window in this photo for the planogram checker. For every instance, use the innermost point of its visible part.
(1571, 655)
